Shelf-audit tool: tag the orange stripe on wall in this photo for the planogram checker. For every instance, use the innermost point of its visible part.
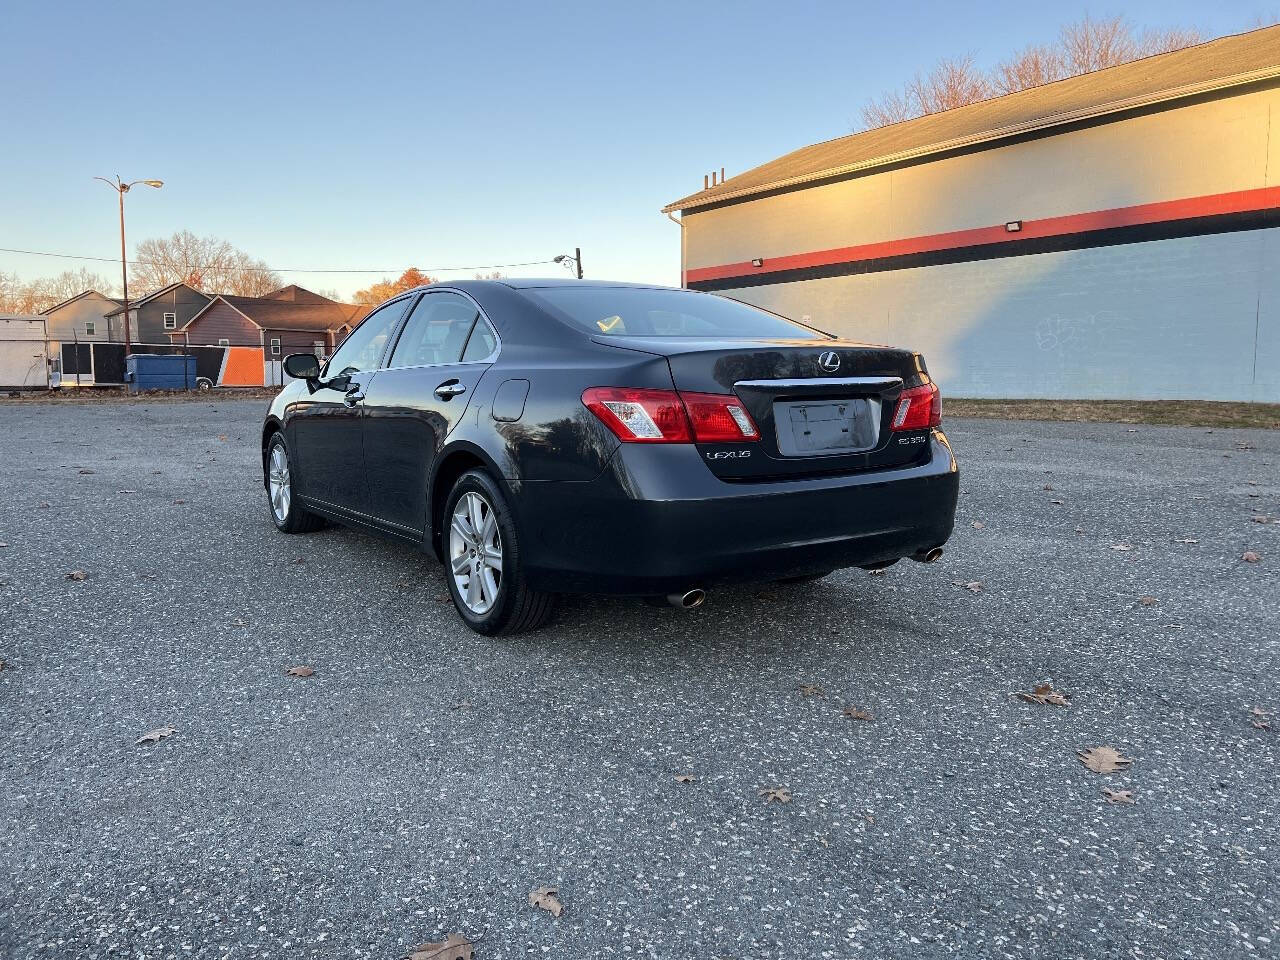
(1240, 201)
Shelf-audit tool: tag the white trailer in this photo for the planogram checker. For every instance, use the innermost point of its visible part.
(25, 363)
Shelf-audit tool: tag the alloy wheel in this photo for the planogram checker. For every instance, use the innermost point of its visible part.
(475, 552)
(278, 483)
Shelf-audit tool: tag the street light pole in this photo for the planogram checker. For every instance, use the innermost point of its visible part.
(576, 260)
(121, 188)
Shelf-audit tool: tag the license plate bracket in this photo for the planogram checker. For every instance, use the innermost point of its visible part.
(825, 426)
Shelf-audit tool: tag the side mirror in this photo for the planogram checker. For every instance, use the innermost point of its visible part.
(302, 366)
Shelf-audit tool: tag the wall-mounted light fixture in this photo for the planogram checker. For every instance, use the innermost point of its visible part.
(1013, 226)
(757, 262)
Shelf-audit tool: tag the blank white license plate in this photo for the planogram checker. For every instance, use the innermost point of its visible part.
(809, 428)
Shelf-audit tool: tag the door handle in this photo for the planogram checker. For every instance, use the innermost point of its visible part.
(450, 388)
(352, 397)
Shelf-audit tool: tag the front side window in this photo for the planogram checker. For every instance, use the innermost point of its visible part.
(318, 347)
(275, 346)
(224, 342)
(647, 312)
(90, 327)
(171, 321)
(437, 331)
(362, 349)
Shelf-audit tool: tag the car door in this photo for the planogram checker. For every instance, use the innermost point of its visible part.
(324, 429)
(411, 406)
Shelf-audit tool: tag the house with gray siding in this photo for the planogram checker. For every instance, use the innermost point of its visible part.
(153, 317)
(85, 318)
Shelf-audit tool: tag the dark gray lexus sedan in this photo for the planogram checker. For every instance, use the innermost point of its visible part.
(545, 437)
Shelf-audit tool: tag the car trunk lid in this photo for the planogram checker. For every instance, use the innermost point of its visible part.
(821, 406)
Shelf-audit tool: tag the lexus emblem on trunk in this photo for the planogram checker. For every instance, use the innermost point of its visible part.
(829, 361)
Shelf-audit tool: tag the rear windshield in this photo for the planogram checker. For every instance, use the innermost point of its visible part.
(639, 312)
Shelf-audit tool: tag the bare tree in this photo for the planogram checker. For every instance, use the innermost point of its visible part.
(1083, 46)
(205, 263)
(951, 83)
(45, 292)
(1030, 68)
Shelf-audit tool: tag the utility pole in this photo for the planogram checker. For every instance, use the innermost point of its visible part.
(121, 188)
(577, 259)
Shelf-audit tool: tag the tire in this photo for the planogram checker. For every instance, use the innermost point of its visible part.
(483, 568)
(286, 513)
(204, 383)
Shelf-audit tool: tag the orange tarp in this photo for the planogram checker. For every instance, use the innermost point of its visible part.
(242, 367)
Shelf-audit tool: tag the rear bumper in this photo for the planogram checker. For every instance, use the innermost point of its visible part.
(657, 521)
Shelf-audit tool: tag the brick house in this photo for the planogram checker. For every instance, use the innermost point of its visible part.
(290, 320)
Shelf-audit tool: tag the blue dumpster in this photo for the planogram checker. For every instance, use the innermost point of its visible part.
(158, 371)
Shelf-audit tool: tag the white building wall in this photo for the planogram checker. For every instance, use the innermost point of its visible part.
(1169, 319)
(1187, 318)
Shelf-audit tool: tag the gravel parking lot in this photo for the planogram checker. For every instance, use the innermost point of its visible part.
(426, 779)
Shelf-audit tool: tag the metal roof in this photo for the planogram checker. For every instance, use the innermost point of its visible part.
(1217, 64)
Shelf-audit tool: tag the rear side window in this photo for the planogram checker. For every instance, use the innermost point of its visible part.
(640, 312)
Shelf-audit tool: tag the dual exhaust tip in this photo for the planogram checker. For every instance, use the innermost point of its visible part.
(692, 599)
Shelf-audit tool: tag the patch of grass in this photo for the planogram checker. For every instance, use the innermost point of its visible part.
(1173, 413)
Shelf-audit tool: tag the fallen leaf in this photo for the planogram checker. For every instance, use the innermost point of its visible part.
(1048, 486)
(1057, 502)
(43, 505)
(1103, 759)
(2, 664)
(1079, 529)
(1261, 519)
(86, 472)
(1117, 796)
(299, 559)
(878, 572)
(77, 575)
(299, 672)
(1250, 557)
(126, 490)
(1260, 719)
(685, 778)
(3, 544)
(222, 437)
(1148, 601)
(978, 524)
(1187, 540)
(453, 947)
(1261, 724)
(810, 690)
(547, 899)
(1045, 694)
(1123, 547)
(973, 586)
(857, 713)
(179, 501)
(156, 735)
(780, 794)
(463, 705)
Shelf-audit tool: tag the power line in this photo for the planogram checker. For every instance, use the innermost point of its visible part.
(387, 270)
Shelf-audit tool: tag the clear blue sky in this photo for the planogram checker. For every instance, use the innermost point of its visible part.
(385, 135)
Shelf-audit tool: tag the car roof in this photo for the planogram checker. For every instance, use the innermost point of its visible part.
(536, 283)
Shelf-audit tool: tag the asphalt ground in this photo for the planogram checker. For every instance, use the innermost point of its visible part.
(425, 779)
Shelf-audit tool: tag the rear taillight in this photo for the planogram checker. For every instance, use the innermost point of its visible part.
(665, 416)
(918, 408)
(718, 418)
